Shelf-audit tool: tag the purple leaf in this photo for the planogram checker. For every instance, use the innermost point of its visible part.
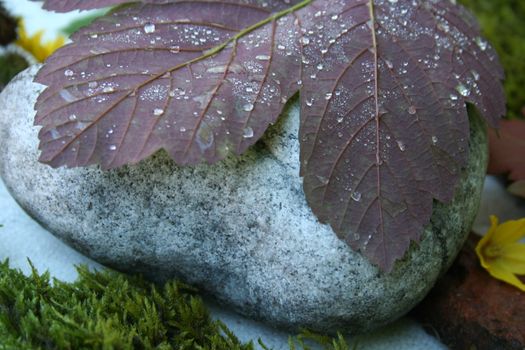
(384, 123)
(181, 77)
(384, 87)
(70, 5)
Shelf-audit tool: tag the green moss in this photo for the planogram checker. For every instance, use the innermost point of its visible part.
(10, 65)
(7, 26)
(104, 310)
(107, 310)
(503, 24)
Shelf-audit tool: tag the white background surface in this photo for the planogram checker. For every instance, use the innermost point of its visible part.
(35, 18)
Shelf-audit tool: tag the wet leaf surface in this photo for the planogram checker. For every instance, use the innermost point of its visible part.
(384, 123)
(148, 77)
(384, 87)
(70, 5)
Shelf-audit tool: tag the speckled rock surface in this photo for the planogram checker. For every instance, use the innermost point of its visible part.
(241, 230)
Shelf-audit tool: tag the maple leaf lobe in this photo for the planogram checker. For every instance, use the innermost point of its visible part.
(384, 122)
(147, 77)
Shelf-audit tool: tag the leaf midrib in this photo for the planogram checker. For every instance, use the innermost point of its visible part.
(378, 122)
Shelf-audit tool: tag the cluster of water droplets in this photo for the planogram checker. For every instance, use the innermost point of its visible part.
(155, 92)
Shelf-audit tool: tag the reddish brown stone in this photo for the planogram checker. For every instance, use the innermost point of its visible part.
(468, 309)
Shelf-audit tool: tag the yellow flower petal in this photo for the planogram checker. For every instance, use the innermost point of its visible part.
(515, 251)
(498, 270)
(514, 266)
(35, 45)
(509, 232)
(486, 239)
(501, 254)
(513, 257)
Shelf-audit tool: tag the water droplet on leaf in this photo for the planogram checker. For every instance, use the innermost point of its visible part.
(248, 107)
(463, 90)
(482, 43)
(248, 133)
(149, 28)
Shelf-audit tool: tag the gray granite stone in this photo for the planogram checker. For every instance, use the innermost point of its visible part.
(241, 229)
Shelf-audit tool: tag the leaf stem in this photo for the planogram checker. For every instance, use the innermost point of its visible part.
(253, 27)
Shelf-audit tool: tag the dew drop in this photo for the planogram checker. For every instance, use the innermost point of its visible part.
(401, 146)
(68, 73)
(453, 97)
(247, 133)
(149, 28)
(182, 129)
(356, 196)
(310, 102)
(323, 179)
(263, 57)
(113, 148)
(482, 44)
(320, 66)
(412, 110)
(305, 40)
(340, 119)
(72, 117)
(389, 64)
(434, 140)
(328, 96)
(248, 107)
(158, 112)
(93, 84)
(463, 90)
(108, 89)
(54, 133)
(66, 95)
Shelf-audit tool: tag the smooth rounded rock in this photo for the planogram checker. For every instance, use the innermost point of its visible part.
(240, 230)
